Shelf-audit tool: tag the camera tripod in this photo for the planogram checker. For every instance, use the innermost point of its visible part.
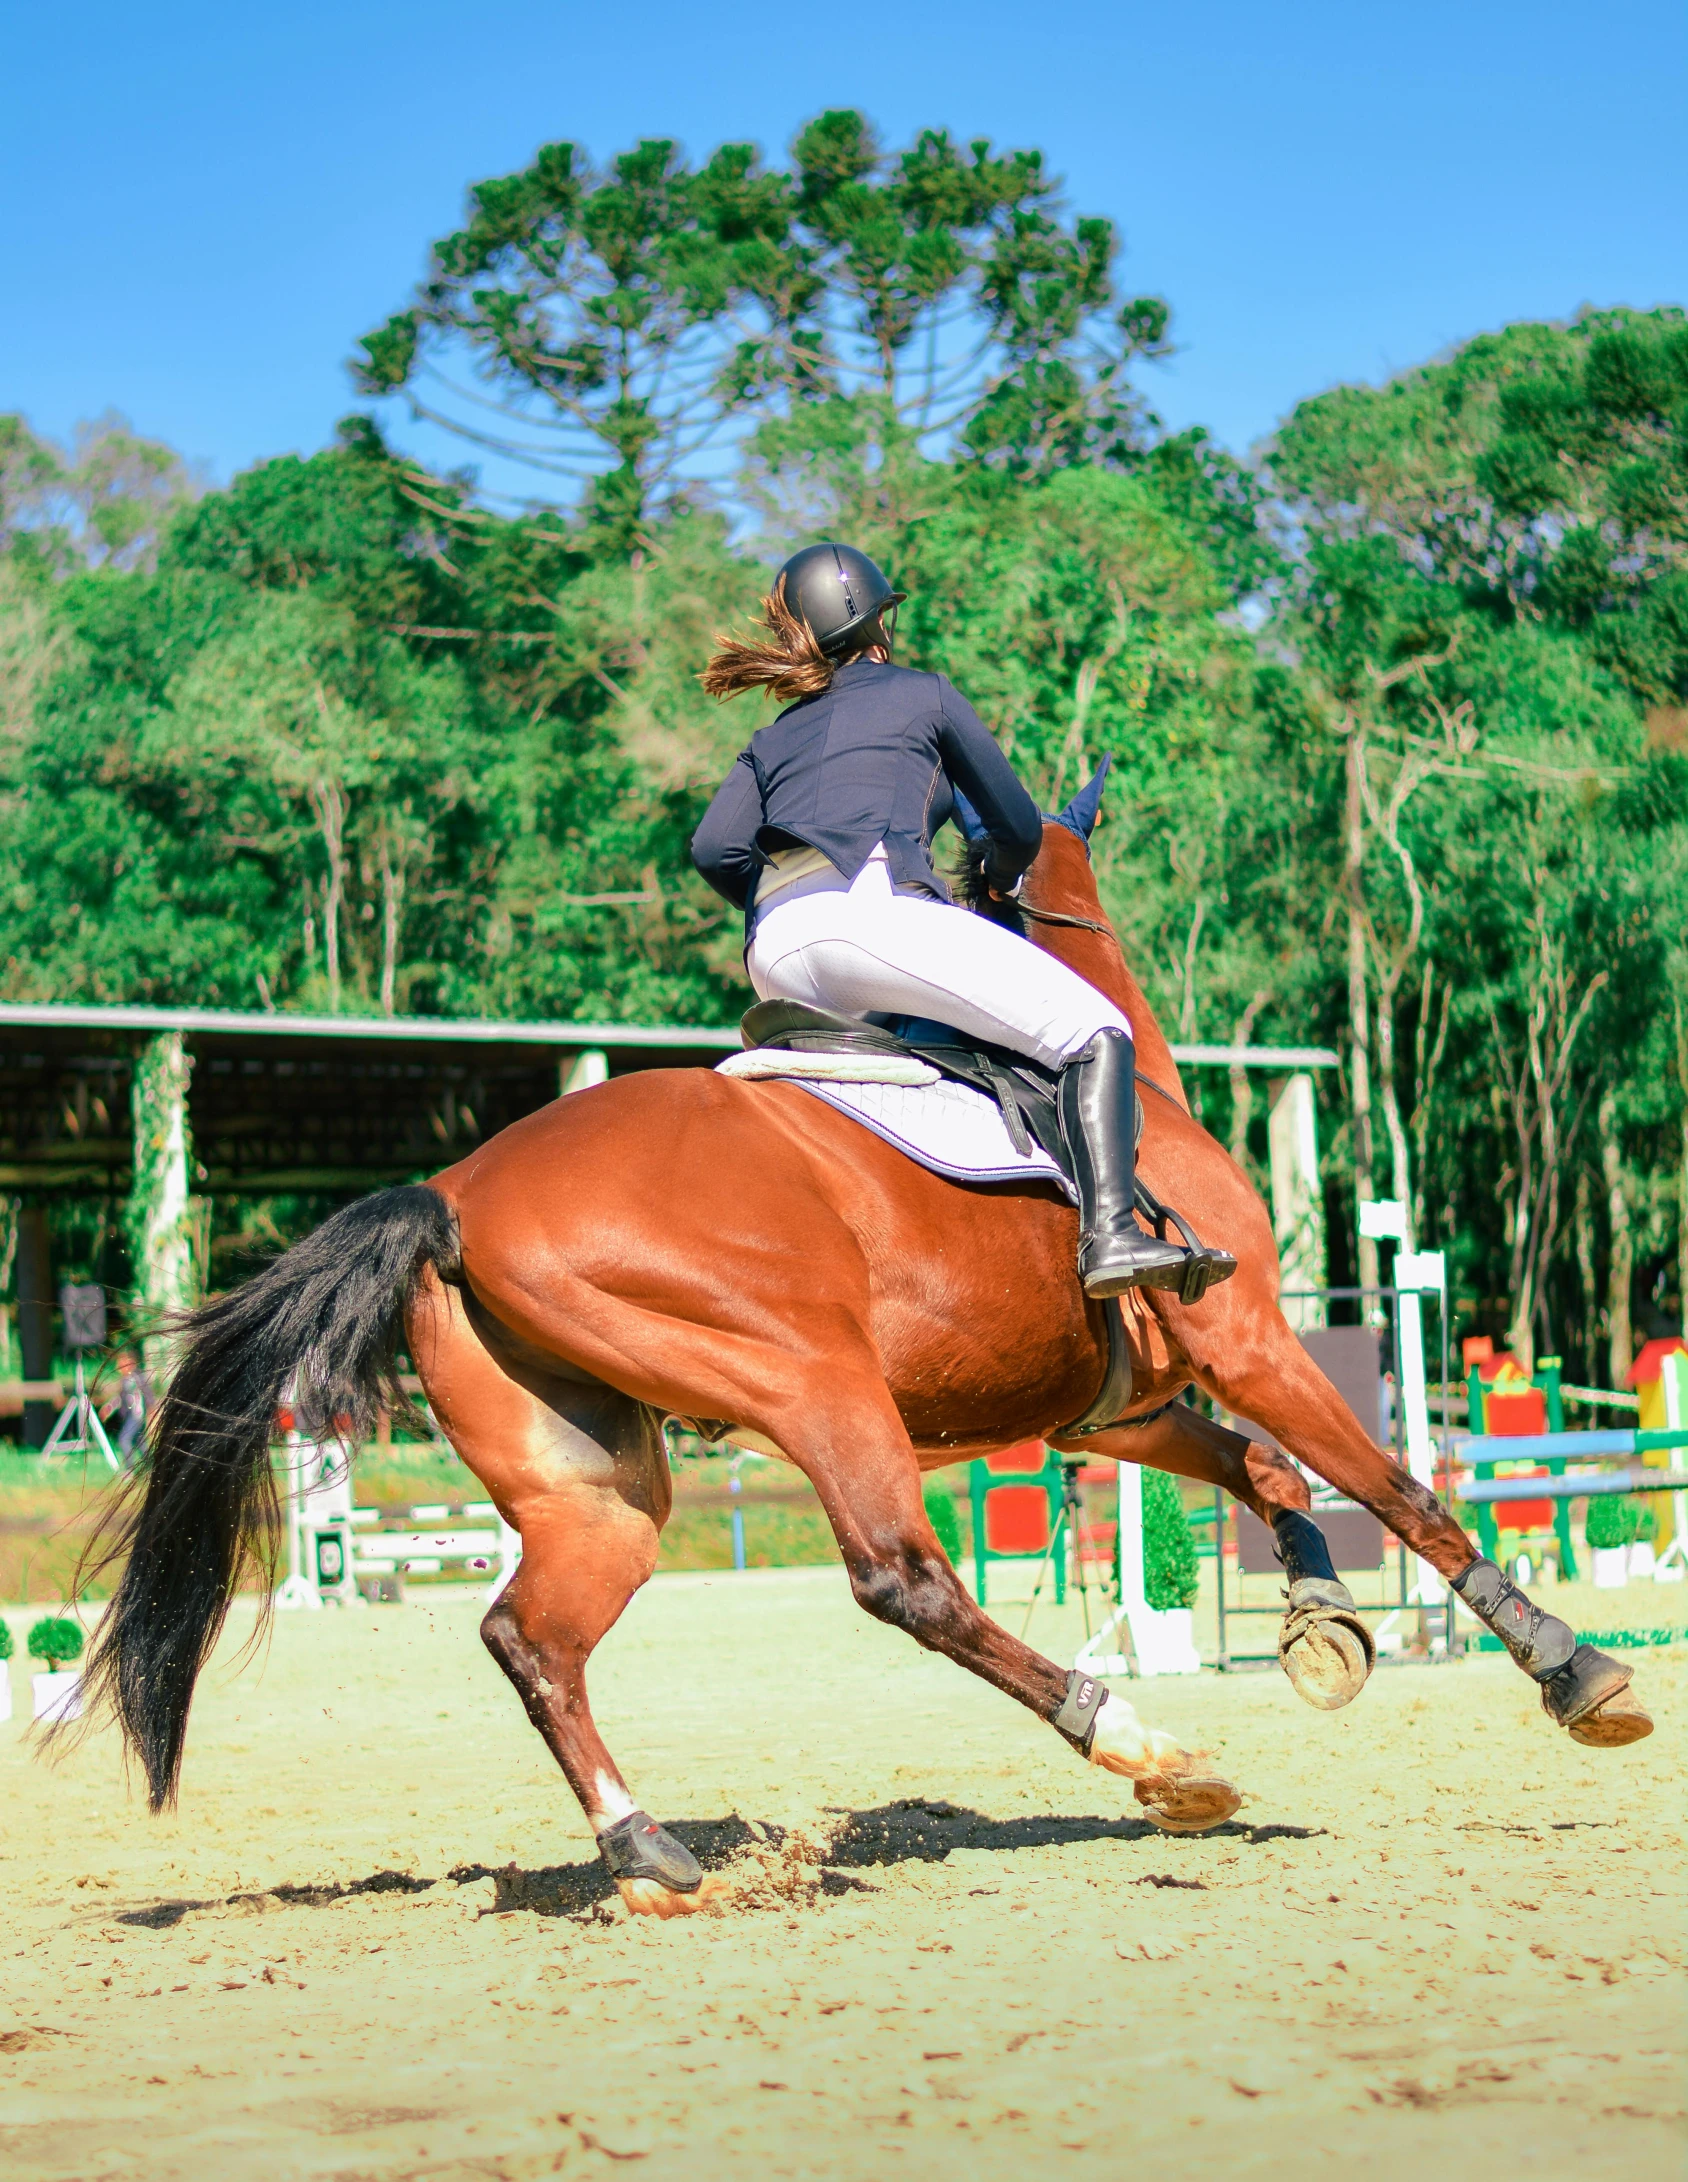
(79, 1430)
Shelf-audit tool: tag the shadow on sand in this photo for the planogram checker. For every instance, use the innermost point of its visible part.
(912, 1830)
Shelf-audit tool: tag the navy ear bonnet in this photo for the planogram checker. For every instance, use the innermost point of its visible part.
(972, 825)
(1081, 813)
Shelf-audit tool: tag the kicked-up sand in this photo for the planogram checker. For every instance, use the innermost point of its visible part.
(375, 1943)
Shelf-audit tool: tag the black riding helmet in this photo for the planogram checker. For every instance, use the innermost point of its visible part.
(837, 591)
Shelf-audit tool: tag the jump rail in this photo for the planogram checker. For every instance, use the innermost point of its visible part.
(1573, 1485)
(1540, 1446)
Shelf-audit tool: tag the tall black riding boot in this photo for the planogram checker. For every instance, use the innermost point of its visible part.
(1098, 1098)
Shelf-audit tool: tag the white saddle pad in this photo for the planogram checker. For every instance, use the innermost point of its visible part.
(948, 1127)
(763, 1061)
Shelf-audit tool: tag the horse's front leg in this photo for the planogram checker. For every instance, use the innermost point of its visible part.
(581, 1472)
(1245, 1355)
(846, 1436)
(1323, 1645)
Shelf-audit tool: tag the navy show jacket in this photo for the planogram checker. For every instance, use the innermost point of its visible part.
(873, 758)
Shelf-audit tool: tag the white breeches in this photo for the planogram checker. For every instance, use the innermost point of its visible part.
(869, 950)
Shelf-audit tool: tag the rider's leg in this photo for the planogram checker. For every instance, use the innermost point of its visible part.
(871, 951)
(1098, 1100)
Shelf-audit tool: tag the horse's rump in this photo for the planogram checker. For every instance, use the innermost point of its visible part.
(625, 1229)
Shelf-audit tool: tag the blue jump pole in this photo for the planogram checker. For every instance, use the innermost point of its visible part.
(1539, 1446)
(1572, 1486)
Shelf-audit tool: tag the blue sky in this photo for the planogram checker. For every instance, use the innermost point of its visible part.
(201, 207)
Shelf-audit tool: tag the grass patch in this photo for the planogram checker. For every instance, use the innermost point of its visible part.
(48, 1512)
(774, 1537)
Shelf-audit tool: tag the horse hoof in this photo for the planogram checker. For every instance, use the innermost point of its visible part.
(1590, 1697)
(1187, 1802)
(1327, 1662)
(650, 1898)
(1323, 1646)
(1619, 1720)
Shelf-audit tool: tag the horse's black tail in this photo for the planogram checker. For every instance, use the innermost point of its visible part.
(327, 1319)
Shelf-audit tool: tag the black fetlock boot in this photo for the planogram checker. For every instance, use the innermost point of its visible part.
(1098, 1100)
(1581, 1688)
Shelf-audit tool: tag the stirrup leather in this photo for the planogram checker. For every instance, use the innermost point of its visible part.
(1204, 1268)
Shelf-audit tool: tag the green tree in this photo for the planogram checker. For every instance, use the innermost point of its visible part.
(615, 325)
(1489, 626)
(104, 503)
(346, 697)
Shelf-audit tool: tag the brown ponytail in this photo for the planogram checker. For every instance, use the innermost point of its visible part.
(791, 666)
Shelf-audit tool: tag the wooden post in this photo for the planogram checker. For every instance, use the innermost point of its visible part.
(162, 1215)
(582, 1070)
(35, 1317)
(1298, 1210)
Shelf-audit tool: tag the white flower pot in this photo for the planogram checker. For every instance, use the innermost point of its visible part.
(58, 1696)
(1642, 1559)
(1611, 1567)
(1164, 1639)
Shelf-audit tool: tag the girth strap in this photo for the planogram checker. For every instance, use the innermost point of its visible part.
(1113, 1396)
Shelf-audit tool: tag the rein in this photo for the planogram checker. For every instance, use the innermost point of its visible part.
(1057, 916)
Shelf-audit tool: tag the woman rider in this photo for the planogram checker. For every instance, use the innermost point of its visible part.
(822, 834)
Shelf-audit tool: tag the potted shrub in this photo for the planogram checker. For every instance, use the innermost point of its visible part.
(56, 1640)
(945, 1521)
(1169, 1554)
(1615, 1522)
(5, 1669)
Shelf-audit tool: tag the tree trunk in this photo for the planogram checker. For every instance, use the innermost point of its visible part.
(1359, 1009)
(1428, 1060)
(1242, 1091)
(1620, 1346)
(1400, 1160)
(1298, 1211)
(1682, 1230)
(1521, 1334)
(1187, 1005)
(1584, 1231)
(392, 906)
(329, 806)
(1682, 1168)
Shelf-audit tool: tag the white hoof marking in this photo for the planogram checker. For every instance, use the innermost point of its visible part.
(650, 1898)
(1122, 1744)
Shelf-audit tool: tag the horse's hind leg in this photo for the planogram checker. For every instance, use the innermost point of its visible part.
(580, 1471)
(1323, 1645)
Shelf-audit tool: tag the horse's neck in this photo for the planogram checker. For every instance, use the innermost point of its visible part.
(1062, 881)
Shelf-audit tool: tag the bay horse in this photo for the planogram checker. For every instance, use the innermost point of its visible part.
(683, 1244)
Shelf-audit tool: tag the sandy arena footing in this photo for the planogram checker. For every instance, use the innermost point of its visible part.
(375, 1943)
